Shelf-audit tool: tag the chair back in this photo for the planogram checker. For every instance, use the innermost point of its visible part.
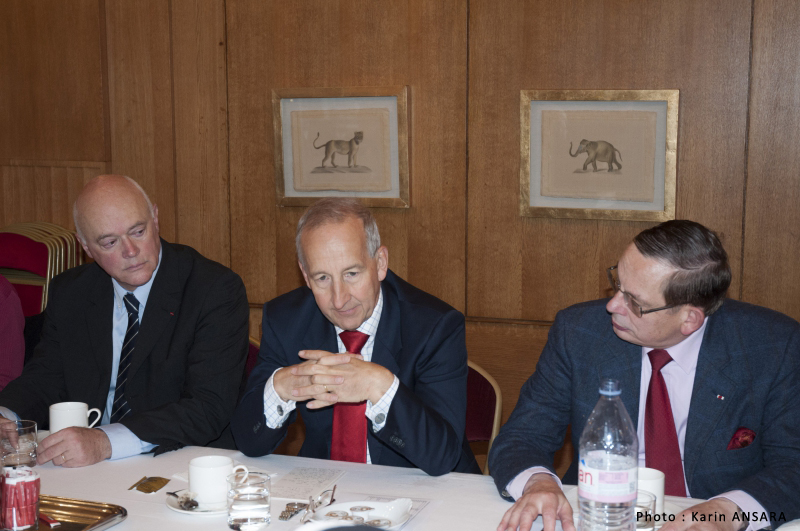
(484, 407)
(252, 356)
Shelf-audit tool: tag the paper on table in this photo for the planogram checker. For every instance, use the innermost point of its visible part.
(300, 483)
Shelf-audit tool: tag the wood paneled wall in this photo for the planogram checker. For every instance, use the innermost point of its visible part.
(176, 93)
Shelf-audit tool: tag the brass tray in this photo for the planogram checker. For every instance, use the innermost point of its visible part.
(80, 515)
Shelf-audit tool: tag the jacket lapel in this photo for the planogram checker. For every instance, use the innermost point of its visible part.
(715, 376)
(99, 318)
(623, 361)
(162, 306)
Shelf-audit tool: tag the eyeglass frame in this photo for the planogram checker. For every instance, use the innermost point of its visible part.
(633, 306)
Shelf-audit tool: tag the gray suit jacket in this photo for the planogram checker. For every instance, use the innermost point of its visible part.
(749, 355)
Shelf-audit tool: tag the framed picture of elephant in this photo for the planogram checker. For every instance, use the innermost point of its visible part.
(598, 154)
(343, 142)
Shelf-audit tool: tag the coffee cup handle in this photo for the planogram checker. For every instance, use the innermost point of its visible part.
(240, 468)
(96, 420)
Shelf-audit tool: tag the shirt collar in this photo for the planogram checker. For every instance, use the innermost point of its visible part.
(141, 292)
(370, 325)
(686, 352)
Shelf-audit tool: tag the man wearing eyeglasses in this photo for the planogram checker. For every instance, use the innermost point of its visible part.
(720, 417)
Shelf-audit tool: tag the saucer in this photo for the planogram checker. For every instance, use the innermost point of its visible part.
(173, 502)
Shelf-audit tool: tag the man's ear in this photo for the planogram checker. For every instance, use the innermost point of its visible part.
(693, 319)
(305, 275)
(86, 248)
(382, 256)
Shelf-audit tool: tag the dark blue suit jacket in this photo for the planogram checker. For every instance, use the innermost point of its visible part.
(749, 355)
(420, 339)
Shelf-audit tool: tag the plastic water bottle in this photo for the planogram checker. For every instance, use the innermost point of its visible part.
(609, 456)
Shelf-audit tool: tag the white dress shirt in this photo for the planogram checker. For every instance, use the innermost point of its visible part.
(276, 411)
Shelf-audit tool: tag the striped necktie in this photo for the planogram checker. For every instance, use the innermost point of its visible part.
(120, 407)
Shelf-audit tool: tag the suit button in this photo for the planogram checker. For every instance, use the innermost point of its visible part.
(256, 427)
(505, 494)
(280, 410)
(380, 418)
(397, 441)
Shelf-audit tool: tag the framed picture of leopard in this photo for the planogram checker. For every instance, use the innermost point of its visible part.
(598, 154)
(341, 142)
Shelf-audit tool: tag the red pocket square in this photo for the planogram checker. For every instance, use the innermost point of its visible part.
(742, 438)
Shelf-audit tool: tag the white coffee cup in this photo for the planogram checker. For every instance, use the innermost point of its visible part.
(68, 414)
(652, 480)
(208, 480)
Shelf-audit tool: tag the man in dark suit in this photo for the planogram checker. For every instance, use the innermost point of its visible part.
(151, 333)
(398, 392)
(730, 384)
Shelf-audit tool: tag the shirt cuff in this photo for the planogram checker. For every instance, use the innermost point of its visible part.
(517, 485)
(276, 411)
(379, 412)
(7, 413)
(747, 504)
(123, 442)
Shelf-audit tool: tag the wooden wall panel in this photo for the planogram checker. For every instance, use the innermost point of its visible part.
(140, 101)
(43, 192)
(51, 105)
(201, 126)
(347, 44)
(772, 240)
(528, 268)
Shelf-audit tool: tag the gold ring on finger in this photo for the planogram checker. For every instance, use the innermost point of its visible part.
(326, 388)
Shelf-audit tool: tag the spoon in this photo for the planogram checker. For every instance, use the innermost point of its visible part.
(186, 502)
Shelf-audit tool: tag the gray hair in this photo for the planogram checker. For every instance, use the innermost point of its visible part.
(703, 274)
(136, 185)
(337, 210)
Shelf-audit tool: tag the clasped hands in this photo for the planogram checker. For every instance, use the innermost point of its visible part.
(326, 378)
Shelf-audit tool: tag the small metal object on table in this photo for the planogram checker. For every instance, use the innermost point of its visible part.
(292, 509)
(81, 515)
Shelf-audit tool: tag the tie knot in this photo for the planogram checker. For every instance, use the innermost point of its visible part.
(131, 304)
(658, 358)
(354, 340)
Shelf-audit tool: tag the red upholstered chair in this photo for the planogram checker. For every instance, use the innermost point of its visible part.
(484, 407)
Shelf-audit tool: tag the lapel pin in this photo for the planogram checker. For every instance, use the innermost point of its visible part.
(171, 313)
(720, 397)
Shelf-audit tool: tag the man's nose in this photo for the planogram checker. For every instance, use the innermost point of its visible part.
(129, 249)
(617, 304)
(340, 295)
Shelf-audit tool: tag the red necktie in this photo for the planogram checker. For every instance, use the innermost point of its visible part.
(661, 448)
(349, 436)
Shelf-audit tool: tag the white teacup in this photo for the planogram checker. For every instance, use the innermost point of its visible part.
(68, 414)
(652, 480)
(208, 479)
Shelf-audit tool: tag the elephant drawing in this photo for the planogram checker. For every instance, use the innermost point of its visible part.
(598, 151)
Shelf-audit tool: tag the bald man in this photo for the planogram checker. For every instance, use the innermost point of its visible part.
(151, 333)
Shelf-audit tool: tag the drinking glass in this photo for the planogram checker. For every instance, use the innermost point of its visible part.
(248, 501)
(18, 442)
(645, 509)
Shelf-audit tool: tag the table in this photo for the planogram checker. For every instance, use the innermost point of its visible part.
(457, 501)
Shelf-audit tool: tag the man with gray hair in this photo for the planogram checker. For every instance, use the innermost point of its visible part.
(376, 367)
(163, 378)
(712, 385)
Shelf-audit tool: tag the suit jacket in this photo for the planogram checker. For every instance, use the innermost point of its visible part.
(420, 339)
(748, 375)
(188, 361)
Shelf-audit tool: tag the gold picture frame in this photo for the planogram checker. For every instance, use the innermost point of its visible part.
(643, 124)
(364, 129)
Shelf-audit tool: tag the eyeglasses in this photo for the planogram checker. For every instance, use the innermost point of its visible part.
(633, 306)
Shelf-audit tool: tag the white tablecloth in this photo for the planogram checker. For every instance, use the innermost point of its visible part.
(457, 501)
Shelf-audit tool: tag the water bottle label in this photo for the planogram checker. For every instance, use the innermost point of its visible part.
(609, 486)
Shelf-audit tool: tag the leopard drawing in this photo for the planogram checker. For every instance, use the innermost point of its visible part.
(344, 147)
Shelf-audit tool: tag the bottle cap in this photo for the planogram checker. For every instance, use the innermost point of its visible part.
(610, 387)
